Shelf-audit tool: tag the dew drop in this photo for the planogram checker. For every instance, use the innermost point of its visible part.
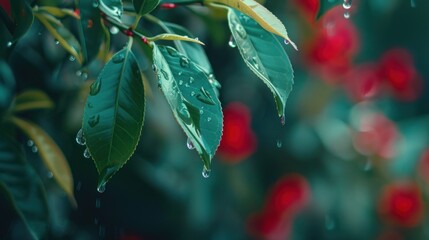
(232, 43)
(191, 80)
(180, 82)
(154, 68)
(9, 44)
(209, 119)
(93, 120)
(119, 58)
(94, 89)
(346, 15)
(279, 143)
(283, 120)
(30, 143)
(171, 51)
(205, 97)
(97, 203)
(114, 30)
(78, 73)
(57, 42)
(255, 62)
(347, 5)
(86, 153)
(201, 111)
(184, 114)
(206, 172)
(286, 41)
(50, 174)
(72, 58)
(192, 93)
(190, 144)
(184, 62)
(240, 30)
(80, 139)
(165, 74)
(186, 84)
(101, 188)
(34, 149)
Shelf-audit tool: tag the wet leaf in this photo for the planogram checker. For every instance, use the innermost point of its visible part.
(112, 8)
(22, 186)
(23, 17)
(264, 55)
(192, 100)
(62, 35)
(143, 7)
(51, 154)
(260, 14)
(175, 37)
(31, 100)
(114, 114)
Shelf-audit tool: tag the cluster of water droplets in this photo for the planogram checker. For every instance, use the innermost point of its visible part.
(80, 139)
(32, 146)
(82, 74)
(347, 4)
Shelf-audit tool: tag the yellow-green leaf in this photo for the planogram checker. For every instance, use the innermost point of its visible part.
(67, 40)
(58, 12)
(260, 14)
(172, 37)
(31, 100)
(51, 155)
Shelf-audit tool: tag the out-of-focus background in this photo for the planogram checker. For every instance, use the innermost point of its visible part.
(351, 161)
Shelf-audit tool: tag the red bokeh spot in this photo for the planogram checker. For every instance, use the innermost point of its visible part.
(363, 82)
(5, 4)
(423, 166)
(377, 135)
(401, 204)
(309, 8)
(238, 141)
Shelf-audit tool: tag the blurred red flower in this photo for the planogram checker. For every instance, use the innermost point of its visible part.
(376, 135)
(401, 204)
(423, 166)
(288, 196)
(238, 140)
(308, 8)
(398, 70)
(335, 42)
(5, 4)
(363, 82)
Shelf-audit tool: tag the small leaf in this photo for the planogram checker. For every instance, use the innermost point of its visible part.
(31, 100)
(58, 12)
(171, 36)
(51, 154)
(192, 100)
(143, 7)
(23, 188)
(114, 114)
(112, 8)
(325, 5)
(62, 35)
(23, 17)
(264, 55)
(260, 14)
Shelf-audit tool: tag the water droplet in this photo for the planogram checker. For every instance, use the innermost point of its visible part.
(209, 119)
(329, 223)
(180, 82)
(101, 188)
(190, 144)
(191, 80)
(347, 4)
(9, 44)
(86, 153)
(172, 51)
(84, 76)
(50, 174)
(240, 30)
(283, 120)
(184, 114)
(80, 139)
(154, 68)
(78, 73)
(72, 58)
(206, 172)
(180, 73)
(184, 62)
(286, 41)
(34, 149)
(204, 96)
(97, 203)
(346, 15)
(165, 74)
(93, 120)
(201, 111)
(95, 87)
(255, 62)
(114, 30)
(279, 143)
(187, 85)
(90, 105)
(232, 43)
(57, 42)
(30, 143)
(192, 93)
(95, 4)
(118, 58)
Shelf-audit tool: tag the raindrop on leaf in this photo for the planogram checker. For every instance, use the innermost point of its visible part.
(190, 144)
(34, 149)
(206, 172)
(80, 139)
(101, 188)
(93, 120)
(279, 143)
(95, 87)
(86, 153)
(184, 62)
(232, 43)
(30, 143)
(119, 58)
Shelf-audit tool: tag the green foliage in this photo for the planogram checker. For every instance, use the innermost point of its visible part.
(325, 5)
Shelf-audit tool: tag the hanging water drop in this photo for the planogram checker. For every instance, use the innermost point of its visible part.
(30, 143)
(347, 4)
(9, 44)
(78, 73)
(101, 188)
(279, 143)
(80, 139)
(34, 149)
(93, 120)
(232, 43)
(57, 42)
(50, 174)
(346, 15)
(86, 153)
(283, 120)
(286, 41)
(190, 144)
(206, 172)
(114, 30)
(72, 58)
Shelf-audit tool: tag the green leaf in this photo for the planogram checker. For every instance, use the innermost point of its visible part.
(51, 154)
(264, 55)
(173, 37)
(259, 13)
(31, 100)
(23, 188)
(192, 100)
(58, 12)
(326, 5)
(143, 7)
(114, 114)
(23, 17)
(112, 8)
(7, 86)
(90, 29)
(62, 35)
